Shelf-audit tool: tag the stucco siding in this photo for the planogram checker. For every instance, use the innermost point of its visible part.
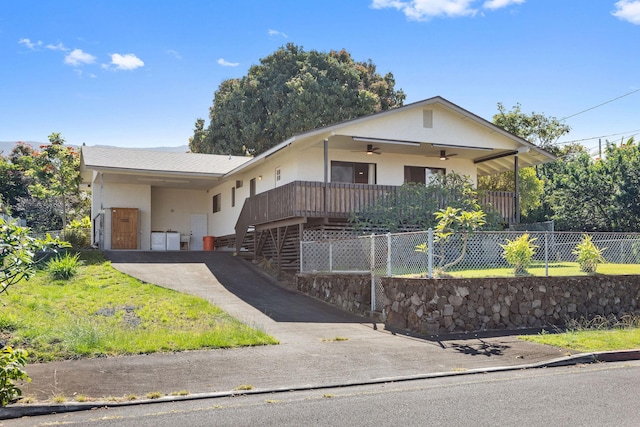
(172, 208)
(448, 128)
(128, 196)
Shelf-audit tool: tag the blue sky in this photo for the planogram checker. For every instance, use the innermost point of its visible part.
(138, 73)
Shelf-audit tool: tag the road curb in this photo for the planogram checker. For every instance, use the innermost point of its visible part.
(28, 410)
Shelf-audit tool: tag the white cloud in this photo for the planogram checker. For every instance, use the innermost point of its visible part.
(77, 57)
(628, 10)
(226, 63)
(174, 53)
(498, 4)
(423, 10)
(58, 46)
(126, 62)
(276, 33)
(28, 43)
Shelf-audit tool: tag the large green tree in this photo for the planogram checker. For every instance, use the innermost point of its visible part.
(291, 91)
(539, 129)
(57, 174)
(599, 195)
(14, 183)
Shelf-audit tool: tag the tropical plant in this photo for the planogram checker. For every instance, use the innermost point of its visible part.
(57, 173)
(414, 206)
(519, 253)
(588, 255)
(17, 252)
(450, 221)
(64, 267)
(11, 364)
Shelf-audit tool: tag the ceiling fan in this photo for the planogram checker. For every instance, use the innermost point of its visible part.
(443, 155)
(370, 150)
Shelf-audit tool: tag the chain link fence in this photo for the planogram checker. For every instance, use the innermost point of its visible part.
(460, 255)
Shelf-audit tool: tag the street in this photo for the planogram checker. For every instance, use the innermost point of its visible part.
(582, 395)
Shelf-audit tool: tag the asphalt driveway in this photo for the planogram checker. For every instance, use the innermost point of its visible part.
(308, 354)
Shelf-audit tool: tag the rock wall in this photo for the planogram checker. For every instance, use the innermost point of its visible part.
(436, 306)
(350, 292)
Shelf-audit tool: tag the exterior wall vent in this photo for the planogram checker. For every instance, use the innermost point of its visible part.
(427, 118)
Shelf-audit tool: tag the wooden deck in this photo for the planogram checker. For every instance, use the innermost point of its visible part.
(298, 201)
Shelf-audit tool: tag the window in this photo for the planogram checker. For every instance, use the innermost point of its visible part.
(421, 174)
(278, 176)
(353, 173)
(217, 203)
(233, 196)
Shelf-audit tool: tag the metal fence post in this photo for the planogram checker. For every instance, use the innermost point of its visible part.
(430, 253)
(546, 253)
(373, 274)
(331, 257)
(388, 254)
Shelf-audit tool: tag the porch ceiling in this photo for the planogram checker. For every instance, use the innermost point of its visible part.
(488, 160)
(164, 180)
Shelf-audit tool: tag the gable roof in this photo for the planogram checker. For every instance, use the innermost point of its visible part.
(531, 153)
(127, 160)
(147, 162)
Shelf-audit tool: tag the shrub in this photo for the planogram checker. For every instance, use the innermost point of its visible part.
(519, 253)
(588, 255)
(78, 238)
(64, 268)
(11, 363)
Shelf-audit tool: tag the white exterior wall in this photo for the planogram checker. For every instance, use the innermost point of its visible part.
(389, 167)
(223, 223)
(128, 196)
(172, 208)
(448, 128)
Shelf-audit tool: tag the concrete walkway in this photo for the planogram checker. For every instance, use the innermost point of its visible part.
(308, 355)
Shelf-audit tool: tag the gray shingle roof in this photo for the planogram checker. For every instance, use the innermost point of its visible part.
(158, 161)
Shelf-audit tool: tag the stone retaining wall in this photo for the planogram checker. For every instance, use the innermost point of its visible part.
(436, 306)
(350, 292)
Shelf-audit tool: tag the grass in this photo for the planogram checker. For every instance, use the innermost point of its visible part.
(538, 269)
(599, 334)
(244, 387)
(102, 312)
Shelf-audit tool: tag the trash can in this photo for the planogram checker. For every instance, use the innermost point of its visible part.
(208, 243)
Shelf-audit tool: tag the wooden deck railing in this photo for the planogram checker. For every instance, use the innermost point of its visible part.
(333, 200)
(502, 201)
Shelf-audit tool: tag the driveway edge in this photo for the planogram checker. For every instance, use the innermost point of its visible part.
(28, 410)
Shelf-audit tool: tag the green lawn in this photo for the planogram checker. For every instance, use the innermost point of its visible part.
(591, 340)
(104, 312)
(538, 269)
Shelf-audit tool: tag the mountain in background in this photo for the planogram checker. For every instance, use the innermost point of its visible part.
(7, 146)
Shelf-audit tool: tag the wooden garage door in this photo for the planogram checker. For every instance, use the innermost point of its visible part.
(124, 228)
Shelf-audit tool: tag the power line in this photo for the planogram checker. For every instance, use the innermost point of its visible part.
(601, 136)
(600, 105)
